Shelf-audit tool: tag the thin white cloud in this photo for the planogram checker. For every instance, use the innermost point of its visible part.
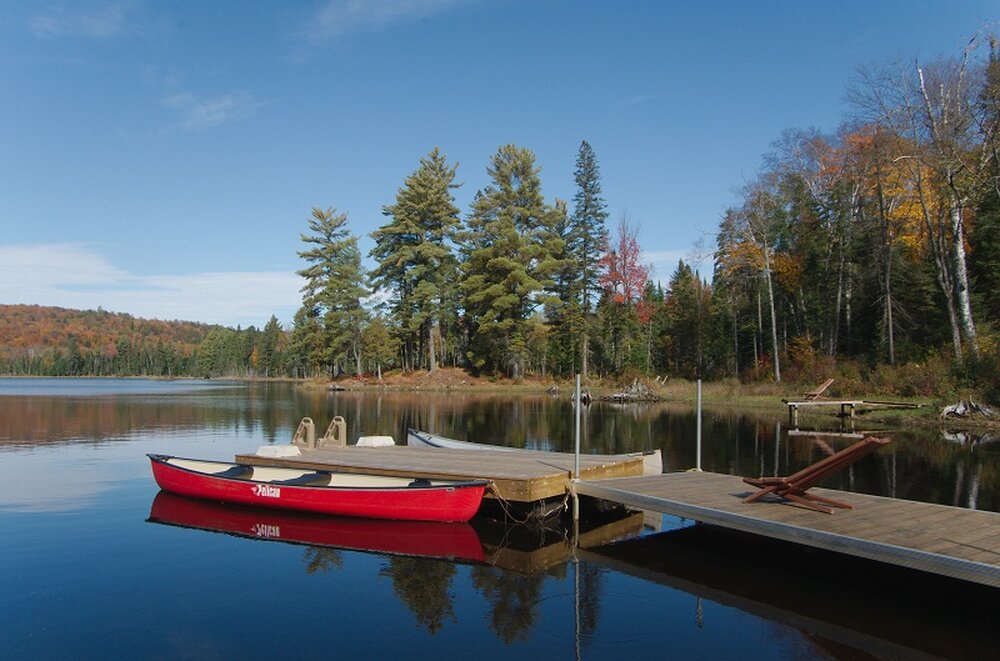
(75, 276)
(663, 263)
(198, 114)
(337, 18)
(101, 21)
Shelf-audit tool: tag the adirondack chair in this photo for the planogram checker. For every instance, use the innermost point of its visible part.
(818, 392)
(794, 486)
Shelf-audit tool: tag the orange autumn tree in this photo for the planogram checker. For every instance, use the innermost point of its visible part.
(623, 279)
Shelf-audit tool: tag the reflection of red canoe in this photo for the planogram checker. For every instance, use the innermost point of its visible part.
(417, 538)
(344, 494)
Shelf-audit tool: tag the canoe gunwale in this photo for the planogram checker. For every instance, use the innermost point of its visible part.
(441, 484)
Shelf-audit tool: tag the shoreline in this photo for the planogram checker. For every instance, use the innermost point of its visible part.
(728, 394)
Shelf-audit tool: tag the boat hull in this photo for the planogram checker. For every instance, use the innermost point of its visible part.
(652, 461)
(456, 501)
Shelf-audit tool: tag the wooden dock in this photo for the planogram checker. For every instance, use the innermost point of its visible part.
(951, 541)
(523, 477)
(847, 407)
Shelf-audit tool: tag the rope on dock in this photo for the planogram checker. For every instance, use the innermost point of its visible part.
(508, 508)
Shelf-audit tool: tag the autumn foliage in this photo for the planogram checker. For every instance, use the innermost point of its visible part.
(36, 340)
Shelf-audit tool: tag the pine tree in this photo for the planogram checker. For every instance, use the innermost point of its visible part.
(563, 311)
(586, 238)
(334, 287)
(416, 261)
(270, 349)
(511, 253)
(305, 349)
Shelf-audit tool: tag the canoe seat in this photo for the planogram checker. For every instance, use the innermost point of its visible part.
(239, 470)
(304, 480)
(420, 482)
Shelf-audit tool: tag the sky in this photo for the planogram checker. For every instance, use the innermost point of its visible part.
(162, 158)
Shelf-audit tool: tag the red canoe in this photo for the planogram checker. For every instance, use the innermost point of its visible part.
(426, 539)
(343, 494)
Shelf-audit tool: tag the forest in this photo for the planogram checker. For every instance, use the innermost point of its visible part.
(871, 253)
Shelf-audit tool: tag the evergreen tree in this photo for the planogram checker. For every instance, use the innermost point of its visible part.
(985, 262)
(334, 287)
(270, 349)
(511, 253)
(381, 348)
(563, 311)
(687, 311)
(587, 237)
(415, 258)
(305, 349)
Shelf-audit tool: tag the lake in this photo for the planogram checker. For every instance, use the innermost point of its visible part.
(95, 564)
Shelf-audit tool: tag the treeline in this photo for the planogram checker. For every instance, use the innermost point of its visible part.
(881, 241)
(879, 244)
(51, 341)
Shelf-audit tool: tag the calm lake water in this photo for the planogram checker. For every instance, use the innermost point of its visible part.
(95, 564)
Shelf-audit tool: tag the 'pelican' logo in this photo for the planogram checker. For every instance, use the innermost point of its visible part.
(266, 491)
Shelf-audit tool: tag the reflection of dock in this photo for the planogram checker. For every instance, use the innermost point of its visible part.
(886, 611)
(521, 477)
(528, 550)
(951, 541)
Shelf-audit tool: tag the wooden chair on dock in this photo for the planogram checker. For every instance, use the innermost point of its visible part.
(794, 486)
(818, 392)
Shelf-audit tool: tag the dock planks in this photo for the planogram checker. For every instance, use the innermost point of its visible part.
(950, 541)
(521, 477)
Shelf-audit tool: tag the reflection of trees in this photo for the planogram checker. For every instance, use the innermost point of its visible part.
(591, 582)
(424, 585)
(512, 597)
(321, 559)
(920, 465)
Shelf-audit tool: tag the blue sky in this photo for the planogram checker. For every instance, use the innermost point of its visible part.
(162, 158)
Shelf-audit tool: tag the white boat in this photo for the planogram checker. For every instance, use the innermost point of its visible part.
(652, 460)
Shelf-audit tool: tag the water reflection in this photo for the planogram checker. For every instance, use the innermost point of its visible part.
(817, 602)
(425, 588)
(512, 562)
(416, 538)
(685, 593)
(961, 469)
(844, 604)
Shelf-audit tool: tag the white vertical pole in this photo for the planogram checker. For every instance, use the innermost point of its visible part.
(576, 452)
(697, 465)
(576, 468)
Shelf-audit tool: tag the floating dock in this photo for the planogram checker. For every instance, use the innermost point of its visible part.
(950, 541)
(522, 477)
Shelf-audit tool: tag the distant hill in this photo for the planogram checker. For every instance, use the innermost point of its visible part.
(51, 341)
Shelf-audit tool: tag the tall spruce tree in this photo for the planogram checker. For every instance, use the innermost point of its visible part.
(587, 238)
(511, 247)
(416, 262)
(270, 348)
(334, 287)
